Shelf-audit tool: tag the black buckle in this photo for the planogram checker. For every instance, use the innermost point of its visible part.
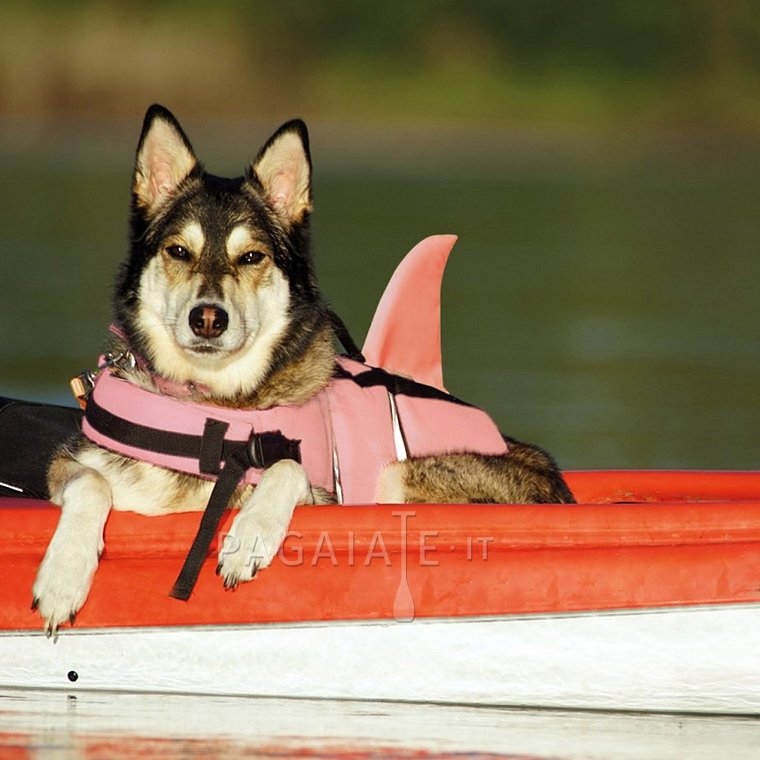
(267, 448)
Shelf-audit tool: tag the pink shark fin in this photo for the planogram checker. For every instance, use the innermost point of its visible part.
(405, 334)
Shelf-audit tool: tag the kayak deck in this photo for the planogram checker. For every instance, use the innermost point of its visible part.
(635, 540)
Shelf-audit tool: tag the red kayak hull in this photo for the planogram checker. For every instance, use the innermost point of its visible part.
(634, 540)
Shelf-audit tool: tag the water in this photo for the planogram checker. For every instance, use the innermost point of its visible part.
(104, 726)
(601, 300)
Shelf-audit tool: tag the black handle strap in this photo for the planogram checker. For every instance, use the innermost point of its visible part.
(234, 469)
(263, 450)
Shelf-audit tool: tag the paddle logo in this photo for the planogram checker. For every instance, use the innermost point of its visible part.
(402, 546)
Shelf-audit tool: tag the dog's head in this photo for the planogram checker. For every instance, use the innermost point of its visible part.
(218, 287)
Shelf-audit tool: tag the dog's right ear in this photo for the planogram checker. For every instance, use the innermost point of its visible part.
(164, 158)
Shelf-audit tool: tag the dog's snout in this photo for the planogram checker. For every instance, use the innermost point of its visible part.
(208, 320)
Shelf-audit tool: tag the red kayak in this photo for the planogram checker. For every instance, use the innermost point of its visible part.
(644, 595)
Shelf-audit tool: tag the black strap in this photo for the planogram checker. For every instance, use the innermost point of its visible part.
(396, 384)
(234, 469)
(148, 438)
(210, 449)
(212, 446)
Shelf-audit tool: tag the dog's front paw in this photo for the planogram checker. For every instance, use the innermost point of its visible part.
(246, 549)
(62, 585)
(261, 525)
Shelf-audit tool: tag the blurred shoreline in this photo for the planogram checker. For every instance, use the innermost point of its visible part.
(632, 67)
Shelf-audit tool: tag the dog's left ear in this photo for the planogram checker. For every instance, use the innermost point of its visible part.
(283, 170)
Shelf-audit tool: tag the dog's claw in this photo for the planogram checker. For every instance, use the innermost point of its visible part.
(52, 625)
(232, 580)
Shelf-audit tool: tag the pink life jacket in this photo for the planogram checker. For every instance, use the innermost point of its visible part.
(343, 436)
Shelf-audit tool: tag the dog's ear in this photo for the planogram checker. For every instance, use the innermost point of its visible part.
(283, 170)
(164, 158)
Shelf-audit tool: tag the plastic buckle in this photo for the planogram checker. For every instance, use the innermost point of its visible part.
(82, 385)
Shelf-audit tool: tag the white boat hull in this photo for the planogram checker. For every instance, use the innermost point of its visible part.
(687, 659)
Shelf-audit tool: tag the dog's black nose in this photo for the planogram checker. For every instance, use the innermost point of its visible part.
(208, 321)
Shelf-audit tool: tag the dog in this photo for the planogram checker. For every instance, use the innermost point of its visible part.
(218, 298)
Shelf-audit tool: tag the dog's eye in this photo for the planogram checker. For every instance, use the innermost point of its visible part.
(251, 257)
(178, 252)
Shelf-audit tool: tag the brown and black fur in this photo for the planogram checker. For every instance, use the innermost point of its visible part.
(530, 477)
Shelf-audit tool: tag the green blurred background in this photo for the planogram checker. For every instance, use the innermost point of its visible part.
(600, 162)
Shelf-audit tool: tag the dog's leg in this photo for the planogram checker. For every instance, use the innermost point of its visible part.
(526, 475)
(65, 575)
(261, 525)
